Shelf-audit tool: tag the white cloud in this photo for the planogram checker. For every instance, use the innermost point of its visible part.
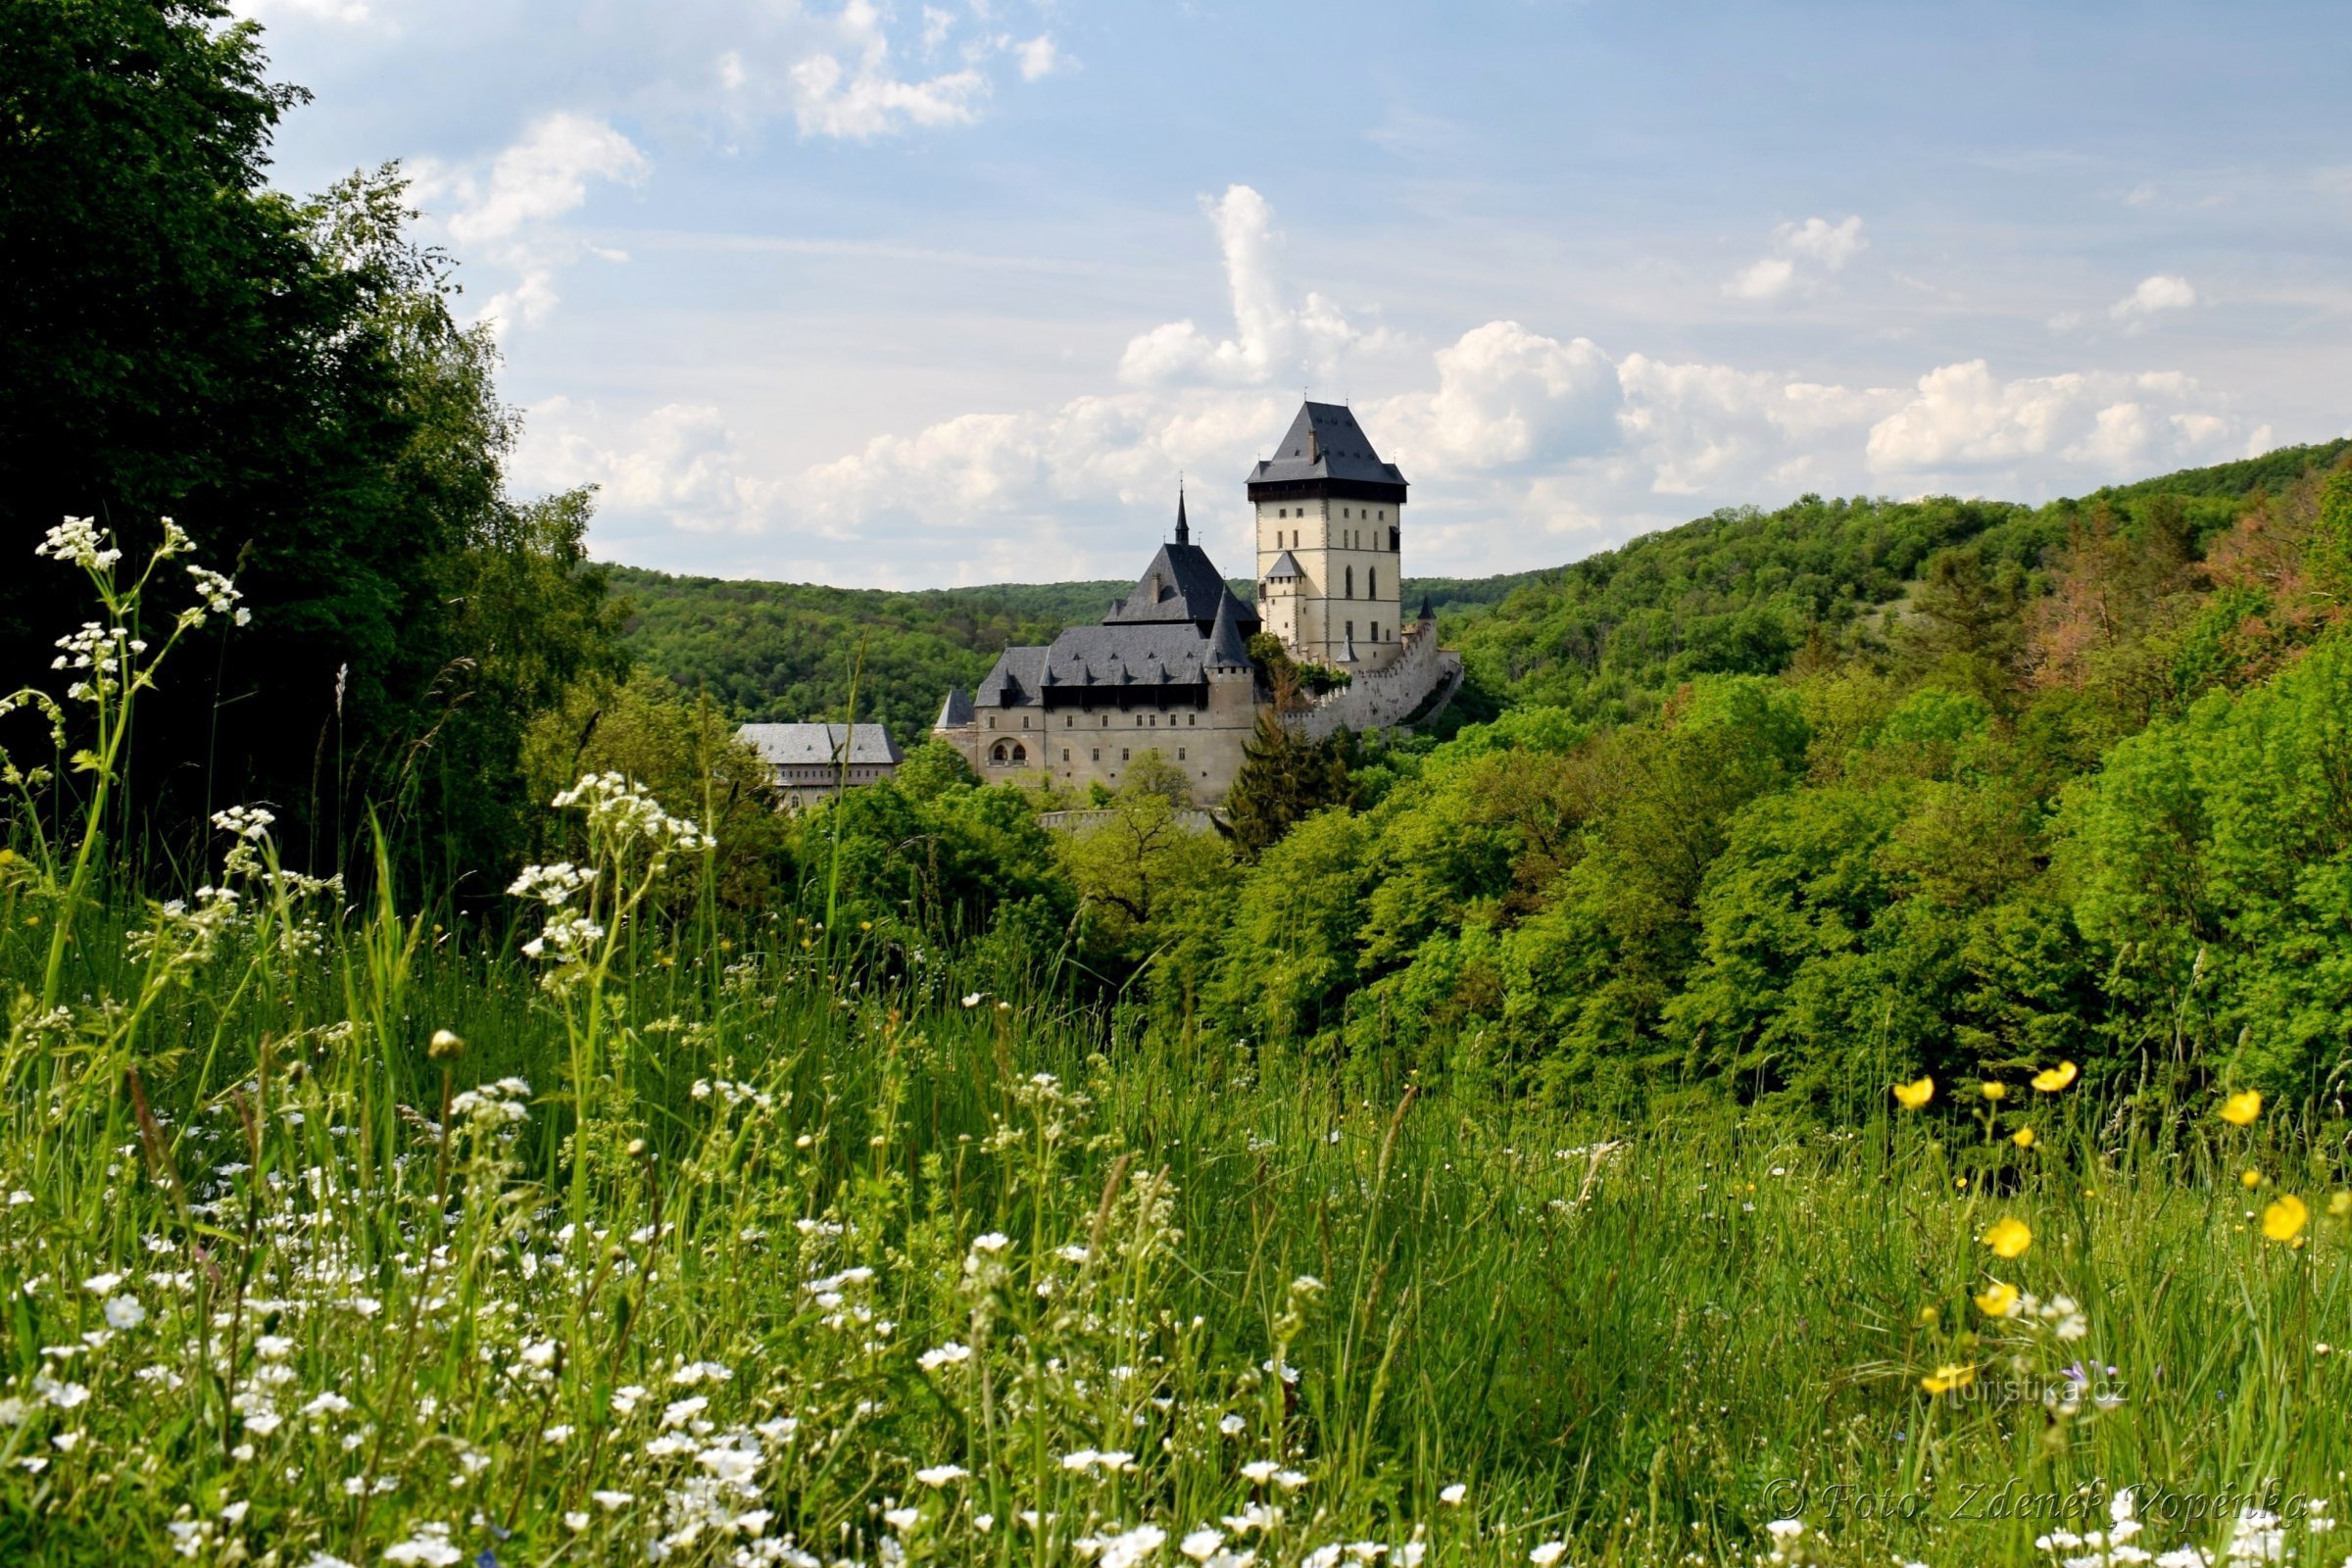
(2163, 293)
(680, 462)
(1700, 429)
(837, 75)
(1506, 397)
(1832, 245)
(2105, 425)
(1310, 339)
(1800, 255)
(506, 214)
(1039, 57)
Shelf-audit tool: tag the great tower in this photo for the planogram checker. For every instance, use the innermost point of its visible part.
(1330, 540)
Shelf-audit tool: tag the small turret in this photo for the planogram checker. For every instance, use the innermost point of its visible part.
(1427, 613)
(1184, 529)
(1226, 648)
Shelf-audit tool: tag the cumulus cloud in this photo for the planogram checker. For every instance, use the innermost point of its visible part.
(2163, 293)
(1799, 258)
(1039, 57)
(1270, 332)
(1506, 397)
(1713, 427)
(507, 212)
(2102, 425)
(680, 462)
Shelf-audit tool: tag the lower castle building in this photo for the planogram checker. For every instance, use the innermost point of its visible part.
(1168, 670)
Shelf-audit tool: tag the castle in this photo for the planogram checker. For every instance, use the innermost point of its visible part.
(1168, 670)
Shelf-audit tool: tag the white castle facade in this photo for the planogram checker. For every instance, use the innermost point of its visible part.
(1168, 670)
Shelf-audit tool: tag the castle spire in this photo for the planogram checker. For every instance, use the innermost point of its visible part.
(1184, 529)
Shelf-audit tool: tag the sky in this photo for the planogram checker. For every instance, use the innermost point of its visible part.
(923, 295)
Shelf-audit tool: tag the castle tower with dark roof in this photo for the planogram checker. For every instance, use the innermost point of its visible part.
(1330, 542)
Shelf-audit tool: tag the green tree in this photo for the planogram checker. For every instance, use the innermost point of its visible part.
(1149, 854)
(1284, 778)
(284, 379)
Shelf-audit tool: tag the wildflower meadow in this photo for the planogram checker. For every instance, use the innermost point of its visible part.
(616, 1228)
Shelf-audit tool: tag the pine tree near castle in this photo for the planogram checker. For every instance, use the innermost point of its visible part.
(1284, 778)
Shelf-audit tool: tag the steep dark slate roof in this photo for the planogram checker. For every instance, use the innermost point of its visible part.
(1286, 566)
(1323, 442)
(1018, 678)
(1227, 649)
(1108, 658)
(811, 745)
(955, 710)
(1188, 588)
(1181, 621)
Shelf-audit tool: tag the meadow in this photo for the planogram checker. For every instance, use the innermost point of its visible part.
(623, 1226)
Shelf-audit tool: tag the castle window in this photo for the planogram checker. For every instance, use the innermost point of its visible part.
(1192, 718)
(1350, 594)
(1180, 754)
(1098, 753)
(1065, 754)
(1344, 512)
(1392, 539)
(1351, 631)
(1282, 512)
(992, 722)
(1122, 754)
(1372, 585)
(997, 753)
(1024, 722)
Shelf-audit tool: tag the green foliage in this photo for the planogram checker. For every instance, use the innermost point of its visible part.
(1140, 868)
(1283, 779)
(2212, 854)
(1737, 593)
(284, 379)
(685, 755)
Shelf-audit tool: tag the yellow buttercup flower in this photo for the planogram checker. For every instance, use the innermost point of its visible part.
(1913, 1096)
(2023, 1137)
(1997, 1300)
(2284, 1220)
(1928, 1317)
(1994, 1091)
(2052, 1079)
(2250, 1178)
(1944, 1379)
(2240, 1108)
(2009, 1237)
(2340, 1205)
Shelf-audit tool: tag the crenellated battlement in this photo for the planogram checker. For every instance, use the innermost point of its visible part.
(1381, 699)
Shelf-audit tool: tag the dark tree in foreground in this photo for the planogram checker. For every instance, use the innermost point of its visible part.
(285, 379)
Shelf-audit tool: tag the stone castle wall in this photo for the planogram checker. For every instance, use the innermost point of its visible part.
(1382, 699)
(1074, 748)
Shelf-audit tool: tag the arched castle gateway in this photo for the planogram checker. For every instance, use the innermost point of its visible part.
(1168, 670)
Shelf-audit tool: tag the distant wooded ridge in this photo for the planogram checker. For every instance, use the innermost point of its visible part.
(1740, 590)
